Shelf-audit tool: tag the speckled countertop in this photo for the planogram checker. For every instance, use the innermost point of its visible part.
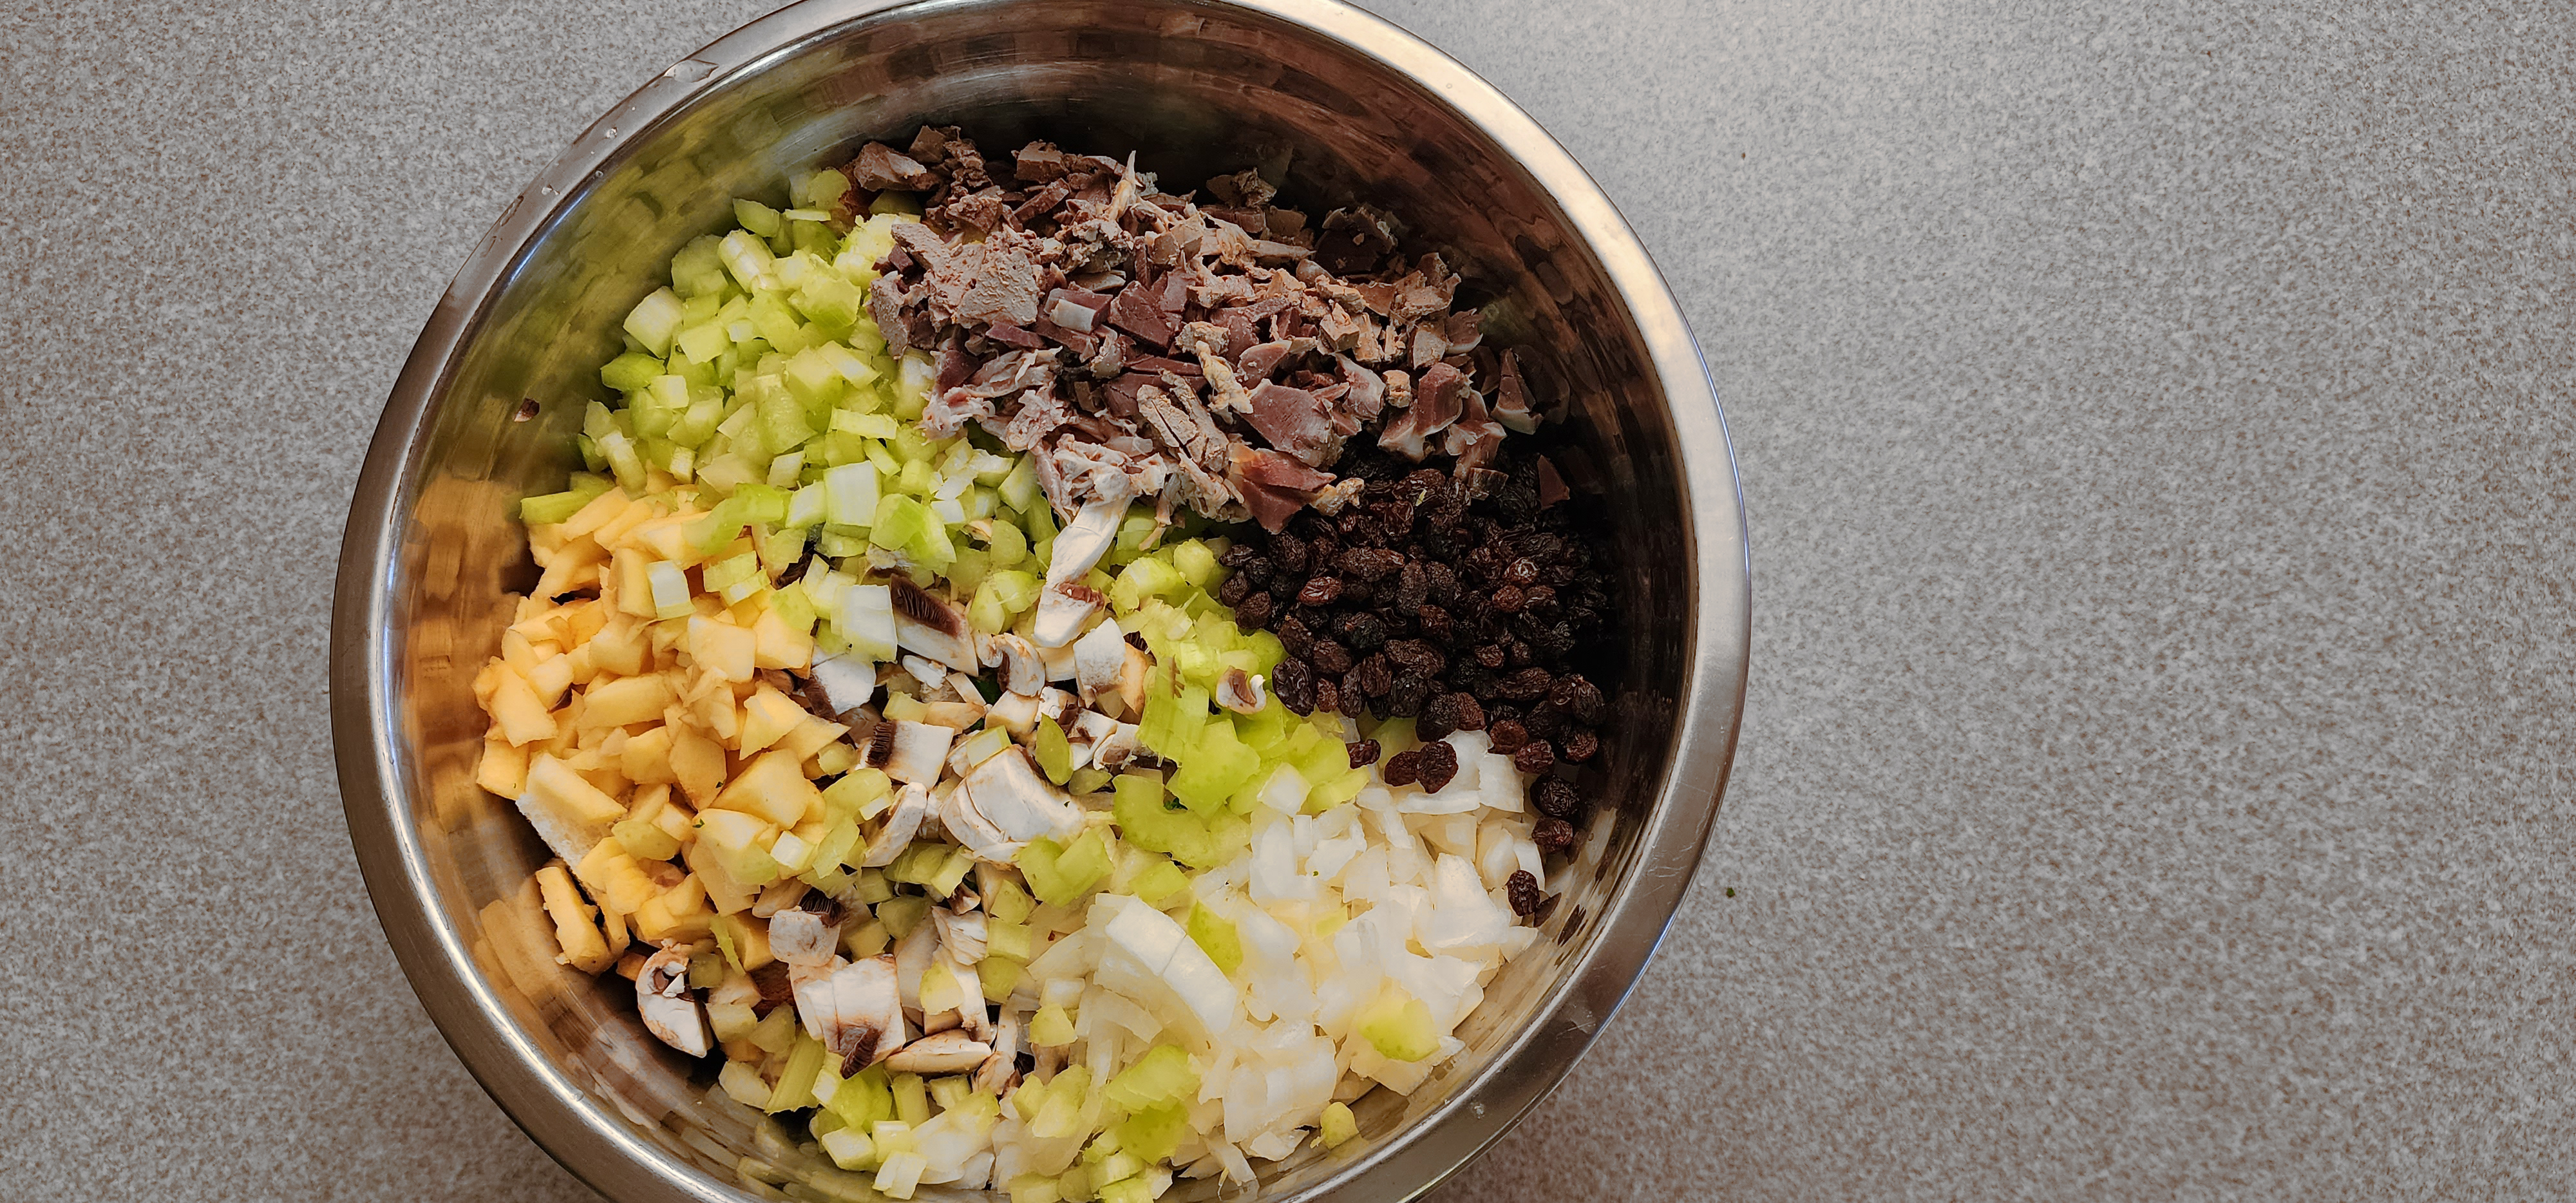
(2154, 422)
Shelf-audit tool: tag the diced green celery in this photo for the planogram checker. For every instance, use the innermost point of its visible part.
(902, 913)
(1144, 821)
(1197, 563)
(796, 1080)
(1162, 1075)
(1050, 749)
(555, 507)
(1216, 936)
(855, 792)
(655, 319)
(1338, 1125)
(1216, 765)
(756, 217)
(899, 522)
(1154, 1133)
(997, 976)
(1132, 1189)
(1087, 781)
(1334, 791)
(1060, 875)
(850, 495)
(819, 190)
(644, 840)
(830, 300)
(726, 573)
(698, 270)
(1160, 880)
(1172, 725)
(1051, 1027)
(630, 371)
(1019, 490)
(864, 1099)
(911, 1099)
(1145, 577)
(1400, 1026)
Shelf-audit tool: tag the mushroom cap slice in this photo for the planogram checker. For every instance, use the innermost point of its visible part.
(940, 1053)
(968, 826)
(1023, 669)
(1098, 658)
(802, 937)
(1022, 805)
(669, 1011)
(852, 1008)
(1240, 692)
(847, 682)
(919, 750)
(911, 806)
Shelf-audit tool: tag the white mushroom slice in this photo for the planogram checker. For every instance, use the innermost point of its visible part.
(670, 1012)
(918, 750)
(1023, 670)
(967, 693)
(1058, 705)
(852, 1009)
(911, 805)
(1098, 659)
(846, 682)
(1112, 751)
(1017, 712)
(940, 1053)
(1001, 1071)
(1132, 678)
(1079, 546)
(961, 934)
(1062, 609)
(930, 673)
(925, 623)
(1091, 726)
(1017, 801)
(971, 1010)
(912, 956)
(802, 937)
(1058, 661)
(973, 831)
(1240, 692)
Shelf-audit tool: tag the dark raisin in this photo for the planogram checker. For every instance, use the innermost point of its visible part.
(1329, 658)
(1417, 657)
(1545, 721)
(1579, 698)
(1443, 582)
(1404, 699)
(1288, 553)
(1522, 572)
(1328, 697)
(1374, 675)
(1370, 563)
(1520, 655)
(1509, 599)
(1253, 613)
(1364, 753)
(1321, 591)
(1295, 636)
(1357, 592)
(1412, 589)
(1451, 712)
(1522, 889)
(1433, 724)
(1233, 591)
(1539, 600)
(1492, 655)
(1435, 623)
(1536, 756)
(1526, 684)
(1295, 685)
(1580, 745)
(1557, 799)
(1362, 632)
(1507, 736)
(1552, 835)
(1238, 555)
(1471, 713)
(1439, 765)
(1401, 768)
(1258, 572)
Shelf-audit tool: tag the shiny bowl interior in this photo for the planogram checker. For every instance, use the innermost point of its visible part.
(1351, 109)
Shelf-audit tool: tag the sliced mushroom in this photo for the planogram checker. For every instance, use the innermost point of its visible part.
(962, 934)
(1017, 712)
(931, 673)
(912, 956)
(853, 1009)
(967, 825)
(1098, 659)
(1062, 609)
(1058, 662)
(803, 937)
(779, 896)
(911, 805)
(926, 623)
(1001, 1071)
(1058, 705)
(967, 693)
(1111, 752)
(1132, 679)
(1240, 692)
(1022, 805)
(1079, 546)
(940, 1053)
(669, 1011)
(918, 750)
(1023, 670)
(845, 682)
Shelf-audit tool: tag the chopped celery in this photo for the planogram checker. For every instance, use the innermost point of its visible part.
(1338, 1125)
(1060, 874)
(1053, 754)
(1216, 936)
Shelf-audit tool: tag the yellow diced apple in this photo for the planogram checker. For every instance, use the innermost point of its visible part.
(717, 714)
(698, 763)
(503, 769)
(554, 783)
(584, 948)
(777, 645)
(625, 701)
(767, 718)
(614, 878)
(750, 939)
(646, 758)
(722, 647)
(523, 718)
(774, 787)
(596, 514)
(811, 735)
(550, 678)
(631, 571)
(724, 894)
(618, 647)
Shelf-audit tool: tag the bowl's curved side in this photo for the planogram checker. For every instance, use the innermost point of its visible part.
(429, 549)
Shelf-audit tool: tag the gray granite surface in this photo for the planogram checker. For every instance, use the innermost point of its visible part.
(2153, 420)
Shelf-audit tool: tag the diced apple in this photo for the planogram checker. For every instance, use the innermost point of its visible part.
(503, 769)
(778, 645)
(722, 647)
(515, 707)
(615, 878)
(569, 813)
(774, 787)
(646, 758)
(699, 764)
(767, 718)
(625, 702)
(584, 948)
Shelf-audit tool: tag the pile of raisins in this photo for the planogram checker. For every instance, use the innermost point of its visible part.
(1456, 600)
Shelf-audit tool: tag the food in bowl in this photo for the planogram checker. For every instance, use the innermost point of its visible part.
(1017, 686)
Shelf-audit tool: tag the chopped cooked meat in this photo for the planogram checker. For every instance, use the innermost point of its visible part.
(1274, 486)
(1258, 362)
(1294, 421)
(1008, 282)
(1434, 408)
(880, 167)
(1511, 404)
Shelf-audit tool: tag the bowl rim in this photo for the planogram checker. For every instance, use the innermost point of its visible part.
(584, 1133)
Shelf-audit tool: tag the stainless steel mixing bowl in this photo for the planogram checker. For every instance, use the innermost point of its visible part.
(1351, 108)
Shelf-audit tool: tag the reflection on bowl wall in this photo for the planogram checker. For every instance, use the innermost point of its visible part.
(1350, 109)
